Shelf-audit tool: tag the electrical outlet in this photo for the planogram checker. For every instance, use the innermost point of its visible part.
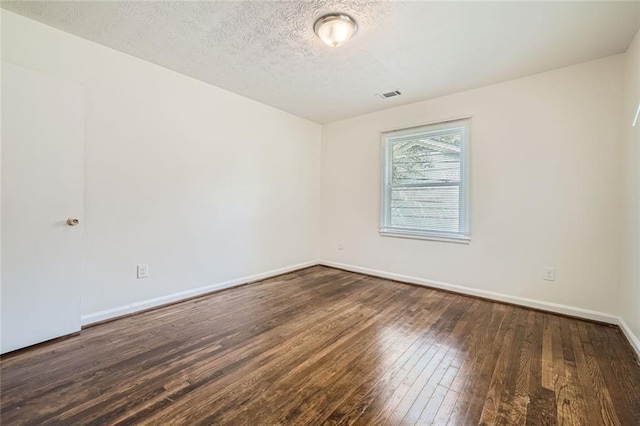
(549, 274)
(143, 270)
(340, 246)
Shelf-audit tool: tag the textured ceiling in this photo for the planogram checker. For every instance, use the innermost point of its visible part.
(267, 51)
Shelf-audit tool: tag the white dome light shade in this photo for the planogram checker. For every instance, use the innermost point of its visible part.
(335, 29)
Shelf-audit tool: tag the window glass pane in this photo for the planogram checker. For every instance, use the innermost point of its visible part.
(431, 208)
(426, 159)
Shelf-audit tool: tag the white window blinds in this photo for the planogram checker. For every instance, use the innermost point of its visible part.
(425, 181)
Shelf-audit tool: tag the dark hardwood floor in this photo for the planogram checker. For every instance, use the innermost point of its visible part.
(327, 346)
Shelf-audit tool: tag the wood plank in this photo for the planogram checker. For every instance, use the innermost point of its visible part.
(324, 346)
(515, 411)
(607, 414)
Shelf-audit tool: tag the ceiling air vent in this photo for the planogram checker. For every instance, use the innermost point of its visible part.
(389, 94)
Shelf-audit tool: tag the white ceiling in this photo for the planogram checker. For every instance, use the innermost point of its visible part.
(267, 51)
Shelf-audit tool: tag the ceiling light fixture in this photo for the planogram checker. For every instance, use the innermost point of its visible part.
(335, 29)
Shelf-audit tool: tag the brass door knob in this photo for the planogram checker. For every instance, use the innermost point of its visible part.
(72, 221)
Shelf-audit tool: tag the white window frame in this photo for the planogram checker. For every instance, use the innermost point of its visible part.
(388, 138)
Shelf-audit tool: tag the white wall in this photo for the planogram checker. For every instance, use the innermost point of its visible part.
(546, 189)
(207, 186)
(630, 288)
(202, 184)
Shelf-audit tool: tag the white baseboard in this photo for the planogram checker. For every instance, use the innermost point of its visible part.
(530, 303)
(632, 338)
(176, 297)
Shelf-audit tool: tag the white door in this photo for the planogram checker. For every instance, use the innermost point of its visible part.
(42, 186)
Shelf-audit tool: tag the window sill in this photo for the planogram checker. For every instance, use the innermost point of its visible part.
(414, 236)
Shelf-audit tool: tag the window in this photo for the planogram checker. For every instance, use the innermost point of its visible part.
(425, 182)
